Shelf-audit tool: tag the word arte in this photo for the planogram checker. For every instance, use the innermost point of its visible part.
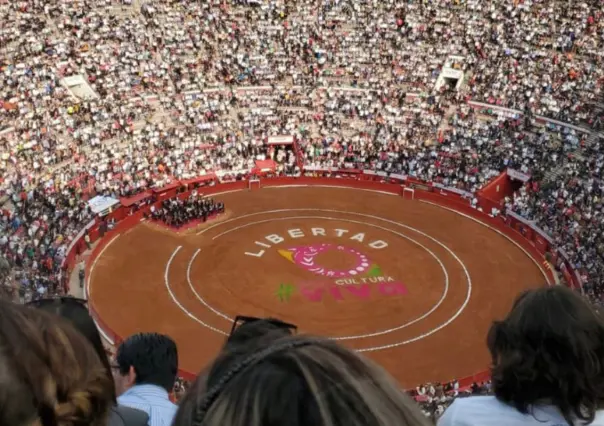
(315, 232)
(315, 292)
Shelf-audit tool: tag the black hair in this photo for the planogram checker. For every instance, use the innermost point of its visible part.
(77, 314)
(154, 358)
(265, 328)
(550, 350)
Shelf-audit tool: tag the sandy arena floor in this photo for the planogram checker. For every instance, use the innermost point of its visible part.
(412, 284)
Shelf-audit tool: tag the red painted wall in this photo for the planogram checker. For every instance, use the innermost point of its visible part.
(496, 190)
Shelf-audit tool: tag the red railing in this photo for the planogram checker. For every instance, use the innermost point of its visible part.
(534, 244)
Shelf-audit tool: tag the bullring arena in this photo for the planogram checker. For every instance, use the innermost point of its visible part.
(389, 174)
(391, 272)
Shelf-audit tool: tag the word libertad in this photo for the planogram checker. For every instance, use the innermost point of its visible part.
(315, 232)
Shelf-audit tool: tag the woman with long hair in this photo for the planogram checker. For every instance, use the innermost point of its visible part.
(548, 365)
(75, 311)
(296, 381)
(49, 374)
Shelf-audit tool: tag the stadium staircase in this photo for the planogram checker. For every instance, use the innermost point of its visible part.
(591, 140)
(554, 174)
(577, 153)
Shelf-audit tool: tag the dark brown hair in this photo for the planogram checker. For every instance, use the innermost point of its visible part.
(49, 373)
(550, 350)
(297, 381)
(75, 311)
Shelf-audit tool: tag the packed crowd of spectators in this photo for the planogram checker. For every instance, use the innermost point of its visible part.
(174, 90)
(34, 239)
(434, 398)
(568, 206)
(177, 213)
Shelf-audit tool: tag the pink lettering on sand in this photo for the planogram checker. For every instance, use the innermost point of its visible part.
(392, 289)
(312, 294)
(315, 293)
(361, 291)
(335, 292)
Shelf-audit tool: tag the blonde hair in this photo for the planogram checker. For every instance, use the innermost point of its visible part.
(49, 373)
(297, 381)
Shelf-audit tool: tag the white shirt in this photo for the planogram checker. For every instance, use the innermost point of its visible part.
(151, 399)
(489, 411)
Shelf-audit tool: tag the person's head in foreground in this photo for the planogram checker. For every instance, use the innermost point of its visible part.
(296, 381)
(548, 365)
(49, 373)
(146, 359)
(75, 311)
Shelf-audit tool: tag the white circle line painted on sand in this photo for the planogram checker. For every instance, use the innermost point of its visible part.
(377, 191)
(87, 289)
(175, 300)
(283, 210)
(360, 336)
(224, 222)
(547, 279)
(230, 191)
(393, 345)
(201, 299)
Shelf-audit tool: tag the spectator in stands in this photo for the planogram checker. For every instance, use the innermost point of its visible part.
(297, 381)
(49, 373)
(548, 365)
(75, 311)
(146, 368)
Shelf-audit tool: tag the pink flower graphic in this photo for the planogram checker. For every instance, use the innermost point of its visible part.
(306, 257)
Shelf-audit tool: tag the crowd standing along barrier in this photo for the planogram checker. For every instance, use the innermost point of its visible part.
(132, 211)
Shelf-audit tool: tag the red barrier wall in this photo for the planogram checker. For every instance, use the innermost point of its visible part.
(496, 190)
(126, 218)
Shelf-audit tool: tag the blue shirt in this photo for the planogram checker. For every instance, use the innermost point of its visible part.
(489, 411)
(151, 399)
